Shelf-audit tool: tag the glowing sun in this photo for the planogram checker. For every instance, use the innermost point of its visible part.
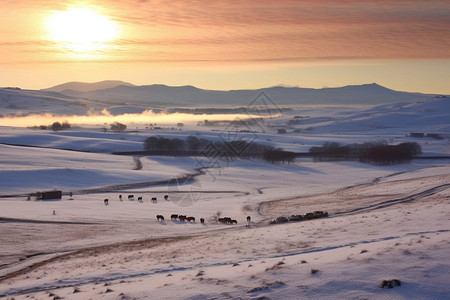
(81, 30)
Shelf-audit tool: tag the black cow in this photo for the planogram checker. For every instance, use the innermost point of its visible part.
(174, 217)
(154, 200)
(166, 197)
(120, 197)
(160, 218)
(131, 197)
(390, 283)
(182, 218)
(202, 220)
(225, 220)
(140, 199)
(295, 218)
(308, 216)
(189, 219)
(106, 201)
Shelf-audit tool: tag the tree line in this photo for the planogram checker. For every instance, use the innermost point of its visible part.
(194, 146)
(371, 152)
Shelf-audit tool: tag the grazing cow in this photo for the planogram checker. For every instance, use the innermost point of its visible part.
(233, 222)
(160, 218)
(131, 197)
(189, 219)
(120, 197)
(318, 214)
(202, 220)
(166, 197)
(154, 200)
(106, 201)
(295, 218)
(248, 221)
(174, 217)
(390, 283)
(140, 199)
(225, 220)
(182, 218)
(308, 216)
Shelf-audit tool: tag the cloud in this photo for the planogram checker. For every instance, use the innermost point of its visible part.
(258, 31)
(284, 28)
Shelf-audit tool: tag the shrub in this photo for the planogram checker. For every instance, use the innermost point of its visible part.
(118, 127)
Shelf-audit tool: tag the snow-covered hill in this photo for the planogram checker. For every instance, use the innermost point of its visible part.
(385, 222)
(431, 116)
(17, 102)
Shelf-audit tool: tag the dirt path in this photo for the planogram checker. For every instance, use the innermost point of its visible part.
(357, 198)
(423, 194)
(15, 220)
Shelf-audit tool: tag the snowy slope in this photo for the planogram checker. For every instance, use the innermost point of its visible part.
(23, 102)
(80, 248)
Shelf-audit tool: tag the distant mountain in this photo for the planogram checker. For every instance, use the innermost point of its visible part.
(87, 87)
(191, 96)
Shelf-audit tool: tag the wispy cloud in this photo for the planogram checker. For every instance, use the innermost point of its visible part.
(285, 29)
(266, 30)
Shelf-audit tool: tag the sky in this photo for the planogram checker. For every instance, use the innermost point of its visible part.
(227, 44)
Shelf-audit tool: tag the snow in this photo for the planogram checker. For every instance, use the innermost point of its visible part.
(79, 248)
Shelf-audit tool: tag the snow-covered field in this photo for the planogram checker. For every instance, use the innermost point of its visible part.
(385, 222)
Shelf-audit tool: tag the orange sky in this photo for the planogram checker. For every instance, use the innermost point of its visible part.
(229, 44)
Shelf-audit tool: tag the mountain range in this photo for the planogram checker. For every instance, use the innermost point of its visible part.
(82, 98)
(125, 93)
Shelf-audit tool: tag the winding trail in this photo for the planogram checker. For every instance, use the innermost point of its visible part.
(423, 194)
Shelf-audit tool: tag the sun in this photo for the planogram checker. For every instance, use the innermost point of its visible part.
(81, 30)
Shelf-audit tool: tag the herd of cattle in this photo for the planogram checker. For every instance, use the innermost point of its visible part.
(176, 217)
(181, 218)
(140, 199)
(227, 220)
(184, 218)
(296, 218)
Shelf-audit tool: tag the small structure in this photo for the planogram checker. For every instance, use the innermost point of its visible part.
(49, 195)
